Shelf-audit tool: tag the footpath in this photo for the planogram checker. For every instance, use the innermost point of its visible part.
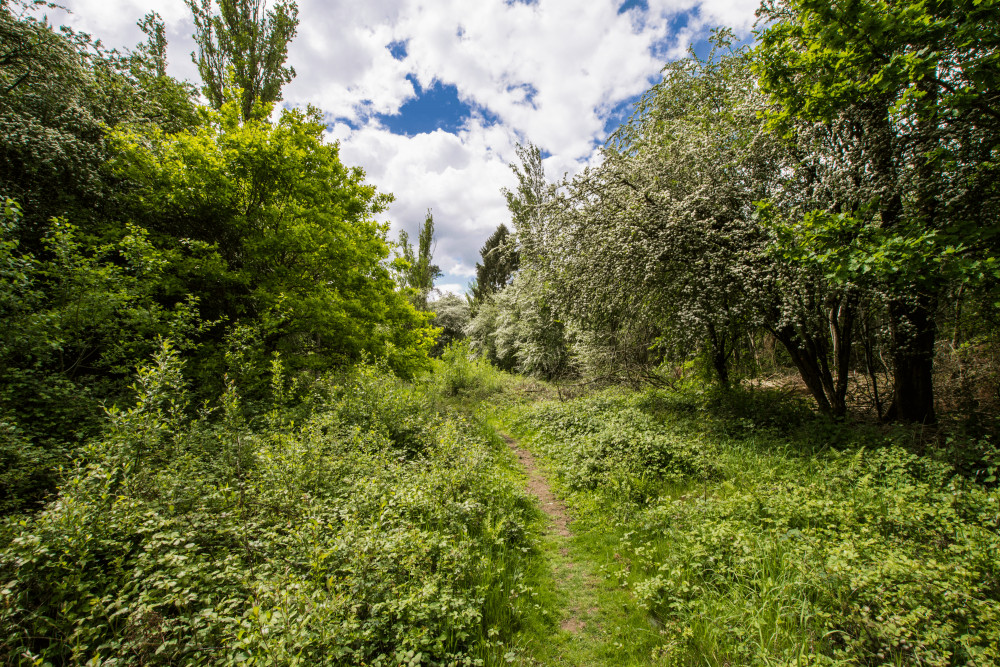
(587, 608)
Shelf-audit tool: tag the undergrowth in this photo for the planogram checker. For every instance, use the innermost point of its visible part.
(754, 532)
(357, 526)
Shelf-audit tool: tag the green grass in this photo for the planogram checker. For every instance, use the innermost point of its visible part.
(742, 529)
(380, 522)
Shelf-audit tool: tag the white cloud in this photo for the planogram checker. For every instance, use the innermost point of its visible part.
(458, 176)
(462, 270)
(447, 288)
(550, 72)
(114, 23)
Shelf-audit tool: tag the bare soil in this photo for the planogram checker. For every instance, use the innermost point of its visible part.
(574, 620)
(538, 486)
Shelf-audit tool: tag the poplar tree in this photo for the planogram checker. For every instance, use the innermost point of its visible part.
(248, 43)
(420, 273)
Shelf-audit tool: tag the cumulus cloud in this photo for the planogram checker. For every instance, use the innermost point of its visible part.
(446, 288)
(550, 71)
(458, 176)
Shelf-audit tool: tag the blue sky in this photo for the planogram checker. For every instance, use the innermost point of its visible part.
(430, 97)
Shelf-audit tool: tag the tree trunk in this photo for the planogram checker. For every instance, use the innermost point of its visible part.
(912, 319)
(807, 364)
(913, 336)
(720, 358)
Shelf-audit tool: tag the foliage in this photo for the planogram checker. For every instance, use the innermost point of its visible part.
(61, 93)
(73, 320)
(500, 261)
(912, 97)
(518, 329)
(775, 536)
(371, 531)
(416, 272)
(294, 229)
(459, 373)
(527, 202)
(246, 47)
(602, 443)
(451, 314)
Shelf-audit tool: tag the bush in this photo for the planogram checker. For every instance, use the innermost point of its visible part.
(367, 532)
(459, 373)
(882, 557)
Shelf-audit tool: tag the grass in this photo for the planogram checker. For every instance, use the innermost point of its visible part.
(742, 529)
(380, 522)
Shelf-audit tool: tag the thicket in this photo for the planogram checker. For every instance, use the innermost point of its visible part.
(822, 202)
(132, 213)
(754, 531)
(351, 524)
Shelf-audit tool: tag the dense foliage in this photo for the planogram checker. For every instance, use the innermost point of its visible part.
(131, 213)
(234, 429)
(350, 526)
(755, 532)
(824, 200)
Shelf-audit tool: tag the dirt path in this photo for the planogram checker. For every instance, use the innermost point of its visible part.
(538, 486)
(577, 586)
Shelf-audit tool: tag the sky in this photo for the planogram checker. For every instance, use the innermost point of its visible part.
(431, 97)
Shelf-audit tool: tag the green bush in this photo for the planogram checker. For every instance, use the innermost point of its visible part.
(459, 373)
(365, 532)
(877, 557)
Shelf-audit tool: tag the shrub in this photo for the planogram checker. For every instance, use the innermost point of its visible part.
(368, 532)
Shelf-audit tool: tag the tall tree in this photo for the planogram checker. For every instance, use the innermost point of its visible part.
(919, 83)
(500, 261)
(248, 43)
(154, 49)
(526, 202)
(420, 273)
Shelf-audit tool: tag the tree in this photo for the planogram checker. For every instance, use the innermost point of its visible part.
(527, 201)
(154, 50)
(500, 261)
(656, 254)
(519, 329)
(60, 92)
(918, 84)
(271, 230)
(419, 273)
(451, 314)
(247, 43)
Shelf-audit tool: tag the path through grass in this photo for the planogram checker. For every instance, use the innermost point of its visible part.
(585, 618)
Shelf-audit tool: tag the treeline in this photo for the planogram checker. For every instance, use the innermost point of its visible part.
(210, 449)
(134, 213)
(826, 200)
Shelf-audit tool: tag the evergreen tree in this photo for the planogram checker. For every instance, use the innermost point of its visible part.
(500, 261)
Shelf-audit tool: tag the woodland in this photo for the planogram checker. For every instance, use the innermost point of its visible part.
(729, 397)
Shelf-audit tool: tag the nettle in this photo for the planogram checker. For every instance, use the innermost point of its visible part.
(367, 530)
